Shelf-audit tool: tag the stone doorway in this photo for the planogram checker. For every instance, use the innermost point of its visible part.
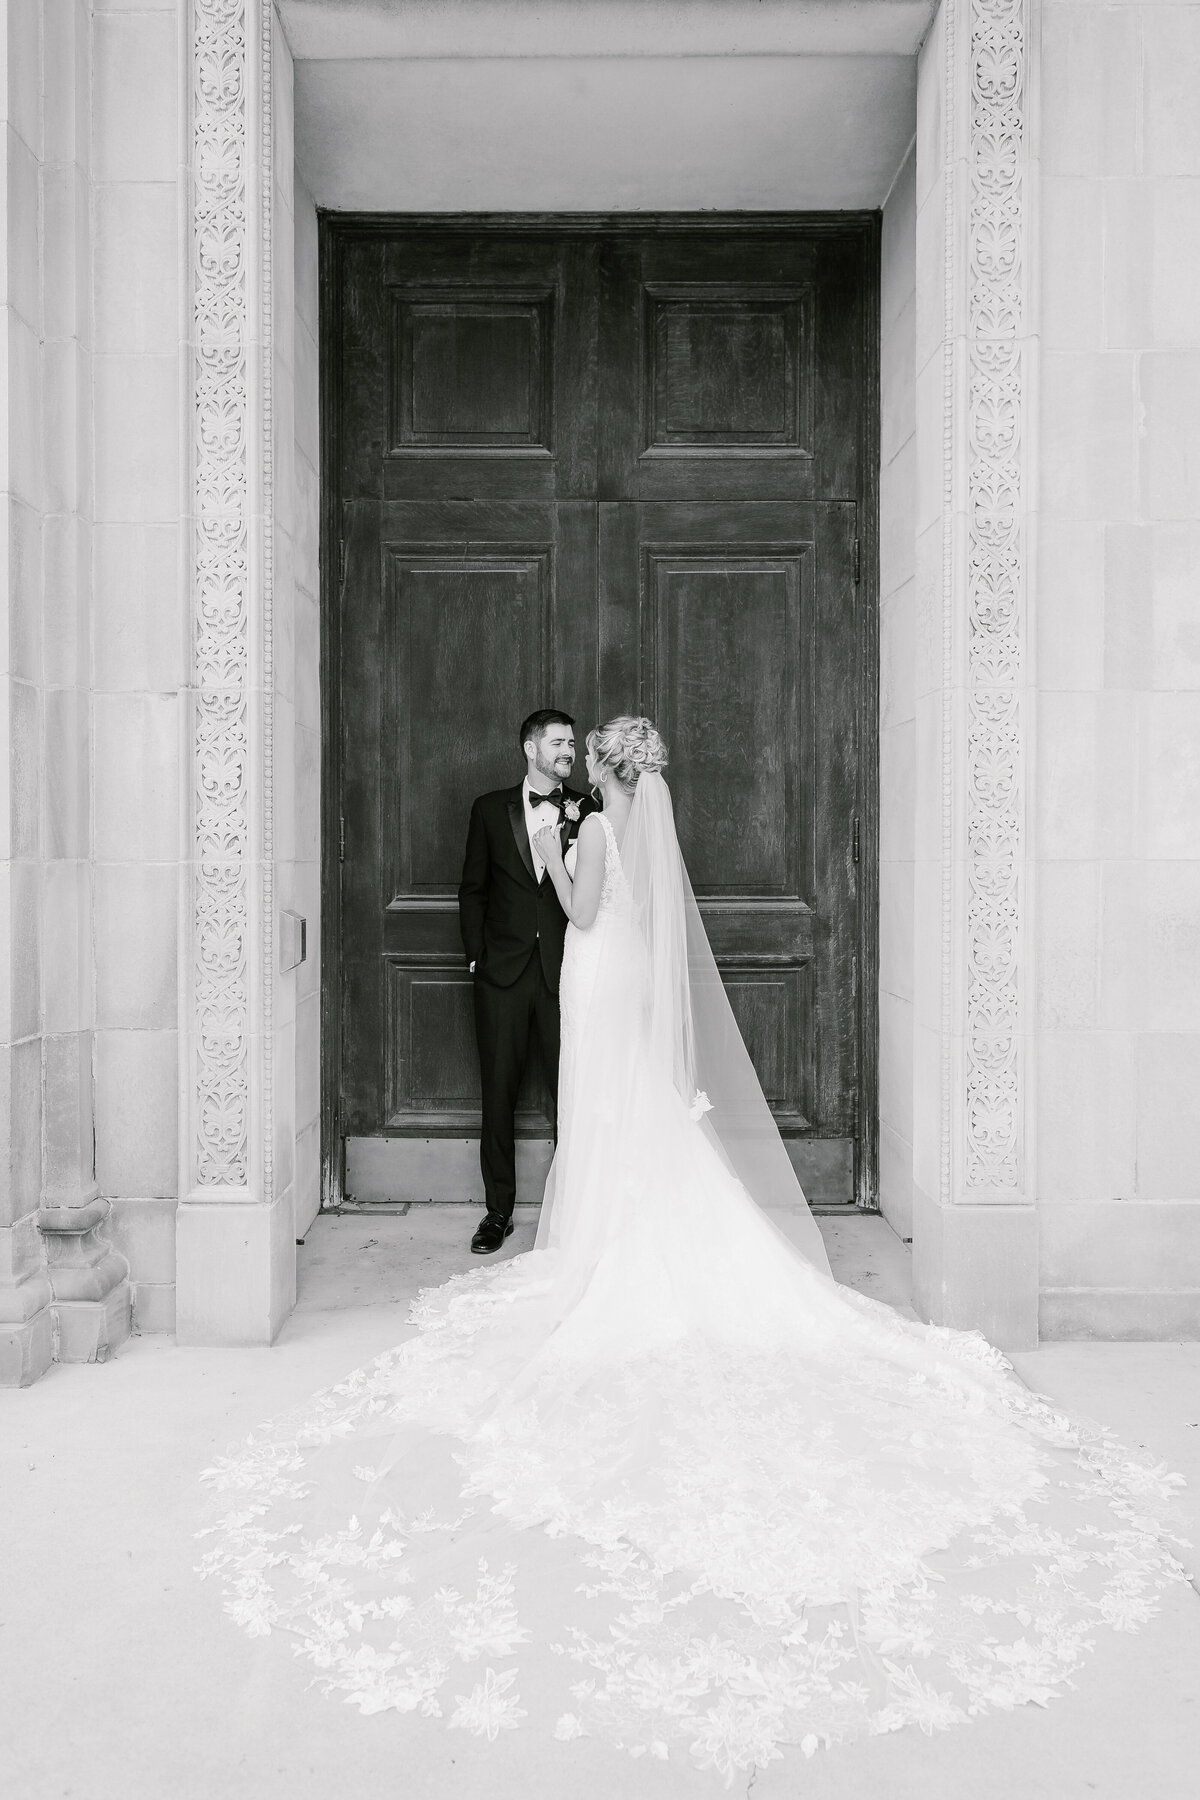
(959, 1166)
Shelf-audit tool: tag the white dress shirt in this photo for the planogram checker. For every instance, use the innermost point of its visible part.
(536, 819)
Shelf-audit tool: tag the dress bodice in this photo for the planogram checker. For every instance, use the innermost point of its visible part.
(614, 891)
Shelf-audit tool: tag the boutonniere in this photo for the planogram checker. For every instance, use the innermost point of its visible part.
(571, 811)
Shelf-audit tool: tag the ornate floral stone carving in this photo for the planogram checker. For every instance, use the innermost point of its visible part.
(221, 593)
(995, 592)
(267, 440)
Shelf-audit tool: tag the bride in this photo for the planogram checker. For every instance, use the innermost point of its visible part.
(661, 1480)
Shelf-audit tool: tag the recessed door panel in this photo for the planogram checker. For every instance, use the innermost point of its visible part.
(743, 620)
(472, 369)
(735, 740)
(469, 637)
(728, 368)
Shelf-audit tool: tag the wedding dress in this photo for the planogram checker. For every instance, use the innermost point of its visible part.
(661, 1480)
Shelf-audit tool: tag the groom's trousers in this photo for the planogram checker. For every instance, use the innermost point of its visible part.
(505, 1020)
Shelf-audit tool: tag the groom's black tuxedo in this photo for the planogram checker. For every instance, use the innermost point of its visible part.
(512, 930)
(504, 911)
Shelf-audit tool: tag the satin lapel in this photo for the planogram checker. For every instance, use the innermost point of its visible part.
(516, 816)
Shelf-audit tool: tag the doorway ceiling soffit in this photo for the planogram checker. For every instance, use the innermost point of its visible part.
(604, 134)
(341, 30)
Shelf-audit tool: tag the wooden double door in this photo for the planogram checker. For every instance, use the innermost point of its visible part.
(610, 468)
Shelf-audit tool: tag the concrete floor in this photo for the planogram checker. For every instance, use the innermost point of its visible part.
(121, 1680)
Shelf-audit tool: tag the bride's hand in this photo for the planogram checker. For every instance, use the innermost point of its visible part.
(548, 844)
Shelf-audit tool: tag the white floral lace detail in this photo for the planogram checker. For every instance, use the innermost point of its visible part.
(614, 890)
(845, 1549)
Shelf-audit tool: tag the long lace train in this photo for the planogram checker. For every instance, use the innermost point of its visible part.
(700, 1550)
(661, 1480)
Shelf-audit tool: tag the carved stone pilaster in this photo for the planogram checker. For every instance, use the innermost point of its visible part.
(975, 1238)
(221, 582)
(996, 597)
(228, 1013)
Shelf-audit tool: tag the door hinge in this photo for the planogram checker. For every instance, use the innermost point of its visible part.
(342, 563)
(342, 838)
(857, 561)
(856, 837)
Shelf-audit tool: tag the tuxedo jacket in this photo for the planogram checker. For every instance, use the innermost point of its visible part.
(504, 911)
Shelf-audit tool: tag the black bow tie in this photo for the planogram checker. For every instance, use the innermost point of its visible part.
(553, 798)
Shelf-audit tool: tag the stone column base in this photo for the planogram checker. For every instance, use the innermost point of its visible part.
(235, 1270)
(93, 1303)
(976, 1268)
(26, 1322)
(26, 1331)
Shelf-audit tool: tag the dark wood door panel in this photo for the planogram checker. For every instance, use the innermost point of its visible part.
(609, 469)
(465, 627)
(732, 368)
(480, 629)
(464, 617)
(725, 655)
(432, 1069)
(738, 632)
(472, 370)
(772, 1008)
(359, 603)
(728, 368)
(488, 614)
(488, 352)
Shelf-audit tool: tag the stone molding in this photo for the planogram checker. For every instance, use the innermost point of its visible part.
(986, 499)
(228, 1145)
(267, 443)
(996, 597)
(221, 596)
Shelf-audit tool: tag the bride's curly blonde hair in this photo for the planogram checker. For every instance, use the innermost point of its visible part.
(630, 748)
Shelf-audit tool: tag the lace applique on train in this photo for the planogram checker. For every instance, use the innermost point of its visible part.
(758, 1582)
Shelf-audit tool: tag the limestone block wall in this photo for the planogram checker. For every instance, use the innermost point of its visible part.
(897, 715)
(26, 1328)
(1117, 805)
(97, 648)
(53, 1217)
(140, 645)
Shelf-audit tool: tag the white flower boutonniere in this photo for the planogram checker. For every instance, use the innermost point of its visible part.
(700, 1105)
(571, 810)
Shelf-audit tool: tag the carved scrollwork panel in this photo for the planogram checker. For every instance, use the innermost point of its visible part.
(995, 593)
(221, 577)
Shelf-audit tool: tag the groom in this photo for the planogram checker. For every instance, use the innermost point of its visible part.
(513, 929)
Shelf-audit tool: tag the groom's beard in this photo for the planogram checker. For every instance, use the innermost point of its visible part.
(555, 768)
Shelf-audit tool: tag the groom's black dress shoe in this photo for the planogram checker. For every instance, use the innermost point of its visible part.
(490, 1233)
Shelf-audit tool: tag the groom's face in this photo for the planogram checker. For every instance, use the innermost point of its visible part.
(553, 754)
